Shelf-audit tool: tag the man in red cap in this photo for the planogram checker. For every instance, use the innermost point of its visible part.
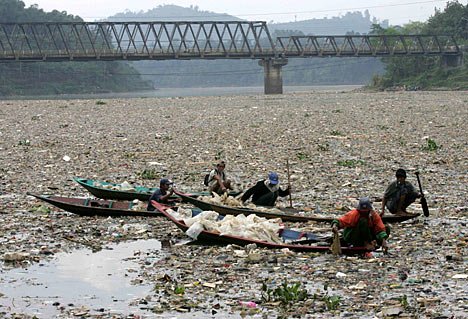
(362, 226)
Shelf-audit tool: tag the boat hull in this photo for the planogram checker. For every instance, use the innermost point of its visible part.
(285, 216)
(216, 238)
(95, 207)
(140, 192)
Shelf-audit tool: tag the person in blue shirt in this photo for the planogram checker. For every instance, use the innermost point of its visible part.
(162, 194)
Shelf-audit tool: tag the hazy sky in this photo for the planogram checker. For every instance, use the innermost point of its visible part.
(397, 11)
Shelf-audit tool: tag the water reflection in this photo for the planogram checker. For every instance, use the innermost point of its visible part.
(97, 280)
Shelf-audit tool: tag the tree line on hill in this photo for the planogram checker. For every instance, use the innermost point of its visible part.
(44, 78)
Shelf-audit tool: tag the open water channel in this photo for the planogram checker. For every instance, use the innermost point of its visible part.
(85, 283)
(102, 281)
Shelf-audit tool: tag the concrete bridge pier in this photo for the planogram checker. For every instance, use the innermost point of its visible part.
(273, 77)
(452, 61)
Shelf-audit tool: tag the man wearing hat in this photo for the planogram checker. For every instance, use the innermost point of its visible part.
(162, 194)
(399, 194)
(362, 226)
(266, 191)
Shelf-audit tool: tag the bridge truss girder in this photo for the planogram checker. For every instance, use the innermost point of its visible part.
(134, 40)
(93, 41)
(87, 41)
(367, 45)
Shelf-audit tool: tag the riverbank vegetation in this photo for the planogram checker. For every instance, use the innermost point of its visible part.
(414, 73)
(44, 78)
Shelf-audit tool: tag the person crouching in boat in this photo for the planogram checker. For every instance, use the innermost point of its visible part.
(399, 194)
(363, 227)
(162, 194)
(217, 181)
(266, 191)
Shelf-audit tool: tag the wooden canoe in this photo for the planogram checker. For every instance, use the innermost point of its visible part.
(92, 207)
(291, 215)
(297, 241)
(106, 190)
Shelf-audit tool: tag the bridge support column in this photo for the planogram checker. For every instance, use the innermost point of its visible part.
(273, 78)
(451, 61)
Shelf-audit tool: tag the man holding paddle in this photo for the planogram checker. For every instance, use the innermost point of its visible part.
(399, 194)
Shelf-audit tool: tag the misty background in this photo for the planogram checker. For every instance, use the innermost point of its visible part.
(298, 71)
(47, 78)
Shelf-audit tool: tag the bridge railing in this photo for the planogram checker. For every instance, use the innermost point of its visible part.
(366, 45)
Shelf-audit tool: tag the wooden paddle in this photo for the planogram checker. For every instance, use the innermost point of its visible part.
(336, 245)
(289, 183)
(423, 199)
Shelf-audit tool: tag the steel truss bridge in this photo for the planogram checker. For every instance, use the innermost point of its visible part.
(132, 41)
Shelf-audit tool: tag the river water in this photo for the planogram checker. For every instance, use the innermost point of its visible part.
(83, 284)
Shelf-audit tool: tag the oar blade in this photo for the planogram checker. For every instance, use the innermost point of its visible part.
(424, 206)
(423, 199)
(336, 245)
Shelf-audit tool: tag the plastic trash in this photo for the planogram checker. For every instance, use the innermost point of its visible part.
(194, 230)
(317, 209)
(248, 304)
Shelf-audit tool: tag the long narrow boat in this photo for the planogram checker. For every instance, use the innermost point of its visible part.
(290, 215)
(106, 190)
(296, 240)
(93, 207)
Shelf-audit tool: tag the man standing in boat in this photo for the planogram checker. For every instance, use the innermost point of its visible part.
(162, 194)
(362, 226)
(266, 191)
(217, 181)
(399, 194)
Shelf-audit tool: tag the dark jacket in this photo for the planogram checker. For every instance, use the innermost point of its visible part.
(395, 189)
(260, 189)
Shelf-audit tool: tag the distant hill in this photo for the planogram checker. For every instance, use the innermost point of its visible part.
(172, 13)
(355, 22)
(352, 22)
(310, 71)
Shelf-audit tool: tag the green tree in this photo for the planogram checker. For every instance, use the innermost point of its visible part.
(26, 78)
(452, 21)
(427, 72)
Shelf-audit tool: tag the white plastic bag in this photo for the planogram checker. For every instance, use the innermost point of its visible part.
(194, 230)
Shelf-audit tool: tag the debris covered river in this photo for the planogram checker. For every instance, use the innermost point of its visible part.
(340, 146)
